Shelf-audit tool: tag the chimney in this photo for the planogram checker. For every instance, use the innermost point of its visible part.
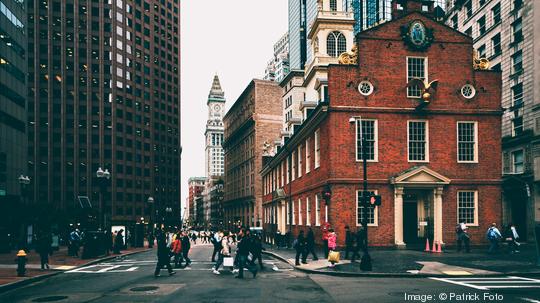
(402, 7)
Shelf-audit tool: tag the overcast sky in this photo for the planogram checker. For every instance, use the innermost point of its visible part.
(233, 38)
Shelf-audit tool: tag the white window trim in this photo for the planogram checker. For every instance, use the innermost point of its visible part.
(293, 209)
(300, 212)
(512, 162)
(407, 72)
(308, 212)
(376, 129)
(299, 156)
(375, 211)
(475, 207)
(293, 165)
(287, 213)
(317, 210)
(308, 157)
(427, 142)
(475, 141)
(317, 145)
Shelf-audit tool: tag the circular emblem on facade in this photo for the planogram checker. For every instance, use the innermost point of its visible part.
(365, 88)
(417, 33)
(417, 36)
(468, 91)
(216, 108)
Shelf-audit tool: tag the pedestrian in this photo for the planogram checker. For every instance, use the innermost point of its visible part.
(512, 238)
(119, 242)
(107, 240)
(216, 241)
(163, 256)
(493, 235)
(244, 248)
(299, 245)
(257, 250)
(360, 243)
(151, 239)
(349, 242)
(325, 228)
(224, 252)
(194, 237)
(462, 237)
(186, 245)
(74, 242)
(176, 250)
(43, 248)
(310, 244)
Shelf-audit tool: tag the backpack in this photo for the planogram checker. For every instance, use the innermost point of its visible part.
(491, 234)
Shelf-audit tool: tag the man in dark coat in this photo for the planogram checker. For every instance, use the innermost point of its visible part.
(256, 245)
(43, 247)
(186, 245)
(310, 247)
(244, 248)
(360, 243)
(119, 242)
(163, 256)
(349, 242)
(300, 246)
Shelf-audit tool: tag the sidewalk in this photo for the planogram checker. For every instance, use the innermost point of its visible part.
(391, 262)
(59, 261)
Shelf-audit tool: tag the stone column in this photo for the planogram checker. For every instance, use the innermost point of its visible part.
(398, 217)
(437, 212)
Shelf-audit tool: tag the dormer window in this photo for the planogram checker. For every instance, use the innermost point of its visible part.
(336, 44)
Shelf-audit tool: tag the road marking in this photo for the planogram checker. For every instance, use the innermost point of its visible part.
(530, 300)
(487, 283)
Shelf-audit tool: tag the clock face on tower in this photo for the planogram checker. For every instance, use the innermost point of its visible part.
(216, 108)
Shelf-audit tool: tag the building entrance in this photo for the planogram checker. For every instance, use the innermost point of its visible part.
(410, 219)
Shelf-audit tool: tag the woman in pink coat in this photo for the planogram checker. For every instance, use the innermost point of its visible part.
(331, 242)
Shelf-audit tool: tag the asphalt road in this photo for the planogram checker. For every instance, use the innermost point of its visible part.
(131, 280)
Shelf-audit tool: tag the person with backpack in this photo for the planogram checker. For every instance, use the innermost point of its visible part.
(299, 245)
(493, 235)
(462, 237)
(216, 241)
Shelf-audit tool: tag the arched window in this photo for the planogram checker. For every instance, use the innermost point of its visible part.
(333, 5)
(336, 44)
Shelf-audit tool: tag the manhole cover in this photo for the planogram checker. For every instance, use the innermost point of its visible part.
(50, 299)
(144, 288)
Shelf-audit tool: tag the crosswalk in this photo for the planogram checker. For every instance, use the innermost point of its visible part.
(493, 283)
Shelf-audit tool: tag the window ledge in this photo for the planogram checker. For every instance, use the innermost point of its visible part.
(468, 162)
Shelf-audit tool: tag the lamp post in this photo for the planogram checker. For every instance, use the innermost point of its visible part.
(365, 262)
(103, 177)
(24, 181)
(150, 202)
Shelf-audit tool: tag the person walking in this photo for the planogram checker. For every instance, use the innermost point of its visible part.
(216, 241)
(43, 248)
(462, 237)
(163, 256)
(224, 252)
(310, 244)
(300, 246)
(325, 228)
(493, 235)
(176, 249)
(332, 239)
(186, 245)
(119, 242)
(512, 238)
(257, 247)
(244, 248)
(74, 242)
(349, 242)
(360, 243)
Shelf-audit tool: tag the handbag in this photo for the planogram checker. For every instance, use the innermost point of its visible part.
(228, 261)
(333, 257)
(250, 257)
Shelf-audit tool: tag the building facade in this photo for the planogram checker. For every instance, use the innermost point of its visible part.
(13, 121)
(401, 112)
(103, 92)
(196, 187)
(506, 33)
(251, 125)
(214, 130)
(278, 67)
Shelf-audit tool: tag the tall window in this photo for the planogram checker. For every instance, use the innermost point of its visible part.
(282, 166)
(517, 95)
(288, 211)
(293, 213)
(517, 61)
(308, 211)
(517, 126)
(299, 211)
(317, 210)
(416, 68)
(371, 211)
(317, 150)
(496, 11)
(418, 141)
(467, 147)
(517, 31)
(367, 129)
(468, 9)
(299, 156)
(517, 162)
(333, 5)
(482, 25)
(496, 42)
(293, 160)
(336, 44)
(308, 157)
(467, 207)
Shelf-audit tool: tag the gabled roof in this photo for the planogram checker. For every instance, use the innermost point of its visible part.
(420, 175)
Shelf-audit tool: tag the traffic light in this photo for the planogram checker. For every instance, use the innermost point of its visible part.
(375, 200)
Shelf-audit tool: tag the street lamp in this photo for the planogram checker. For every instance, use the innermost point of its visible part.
(103, 177)
(365, 262)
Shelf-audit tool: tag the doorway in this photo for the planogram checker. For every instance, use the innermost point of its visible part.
(410, 219)
(519, 215)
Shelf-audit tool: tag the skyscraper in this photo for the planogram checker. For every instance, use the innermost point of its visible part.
(12, 112)
(103, 92)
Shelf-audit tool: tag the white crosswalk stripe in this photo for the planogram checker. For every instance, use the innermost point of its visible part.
(488, 283)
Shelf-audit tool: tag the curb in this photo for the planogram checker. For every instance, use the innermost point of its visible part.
(31, 280)
(392, 275)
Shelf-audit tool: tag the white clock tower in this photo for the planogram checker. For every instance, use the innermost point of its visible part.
(215, 165)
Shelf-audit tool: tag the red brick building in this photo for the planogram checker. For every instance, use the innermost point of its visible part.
(252, 124)
(434, 152)
(196, 188)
